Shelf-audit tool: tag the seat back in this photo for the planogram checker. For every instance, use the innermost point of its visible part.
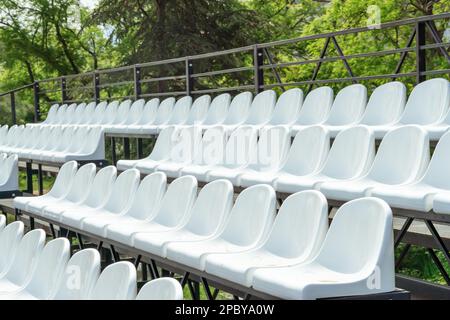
(287, 107)
(61, 114)
(163, 145)
(241, 147)
(79, 276)
(361, 236)
(161, 289)
(165, 111)
(211, 208)
(239, 109)
(122, 112)
(69, 114)
(300, 226)
(180, 111)
(116, 282)
(198, 110)
(123, 191)
(99, 113)
(385, 105)
(177, 201)
(3, 134)
(51, 115)
(64, 179)
(402, 157)
(9, 173)
(351, 154)
(110, 113)
(78, 113)
(218, 110)
(94, 144)
(82, 183)
(66, 139)
(251, 217)
(26, 257)
(262, 108)
(316, 107)
(78, 140)
(211, 148)
(349, 105)
(10, 237)
(101, 187)
(185, 144)
(150, 112)
(437, 175)
(136, 112)
(427, 103)
(148, 196)
(87, 114)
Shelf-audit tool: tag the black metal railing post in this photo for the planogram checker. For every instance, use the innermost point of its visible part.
(96, 80)
(420, 53)
(37, 108)
(189, 79)
(137, 82)
(63, 90)
(258, 62)
(13, 107)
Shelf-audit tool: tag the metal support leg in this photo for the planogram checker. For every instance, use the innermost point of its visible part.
(40, 180)
(185, 279)
(137, 261)
(207, 290)
(80, 241)
(113, 151)
(126, 148)
(114, 254)
(155, 268)
(32, 225)
(402, 256)
(100, 245)
(29, 171)
(439, 265)
(438, 240)
(52, 229)
(139, 148)
(403, 231)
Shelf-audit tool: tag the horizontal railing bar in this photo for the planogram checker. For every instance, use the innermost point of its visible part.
(80, 75)
(219, 72)
(337, 58)
(157, 63)
(17, 89)
(120, 97)
(435, 45)
(115, 84)
(205, 91)
(113, 70)
(434, 72)
(220, 53)
(91, 87)
(168, 78)
(163, 94)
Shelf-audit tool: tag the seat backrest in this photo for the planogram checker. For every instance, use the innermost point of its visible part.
(82, 183)
(300, 226)
(427, 103)
(177, 201)
(385, 105)
(348, 106)
(273, 147)
(3, 134)
(116, 282)
(54, 138)
(9, 173)
(161, 289)
(99, 113)
(402, 157)
(65, 140)
(2, 217)
(187, 141)
(211, 208)
(123, 191)
(78, 114)
(79, 276)
(101, 187)
(316, 107)
(110, 113)
(49, 269)
(26, 257)
(180, 111)
(69, 114)
(122, 112)
(287, 107)
(198, 110)
(218, 110)
(64, 179)
(79, 140)
(437, 174)
(148, 196)
(212, 147)
(262, 108)
(150, 112)
(361, 236)
(351, 154)
(239, 109)
(10, 238)
(165, 111)
(51, 115)
(251, 217)
(89, 113)
(308, 151)
(11, 135)
(136, 112)
(61, 114)
(163, 145)
(94, 141)
(241, 147)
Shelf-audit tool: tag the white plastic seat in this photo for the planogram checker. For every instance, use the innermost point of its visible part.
(79, 276)
(238, 111)
(296, 237)
(103, 184)
(163, 114)
(247, 227)
(48, 147)
(347, 109)
(3, 134)
(70, 139)
(145, 205)
(350, 157)
(92, 147)
(49, 269)
(182, 153)
(206, 218)
(58, 191)
(9, 173)
(109, 115)
(385, 106)
(96, 118)
(77, 114)
(287, 108)
(116, 282)
(175, 206)
(240, 150)
(315, 109)
(24, 262)
(10, 237)
(217, 111)
(161, 289)
(352, 261)
(120, 118)
(402, 158)
(306, 155)
(60, 115)
(51, 115)
(131, 119)
(427, 106)
(118, 201)
(83, 113)
(198, 111)
(179, 114)
(68, 115)
(161, 152)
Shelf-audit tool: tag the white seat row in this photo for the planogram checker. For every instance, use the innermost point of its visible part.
(54, 144)
(236, 241)
(31, 269)
(428, 106)
(9, 173)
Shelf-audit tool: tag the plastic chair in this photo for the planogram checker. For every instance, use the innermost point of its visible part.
(161, 289)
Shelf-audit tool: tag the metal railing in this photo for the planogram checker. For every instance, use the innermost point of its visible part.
(257, 67)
